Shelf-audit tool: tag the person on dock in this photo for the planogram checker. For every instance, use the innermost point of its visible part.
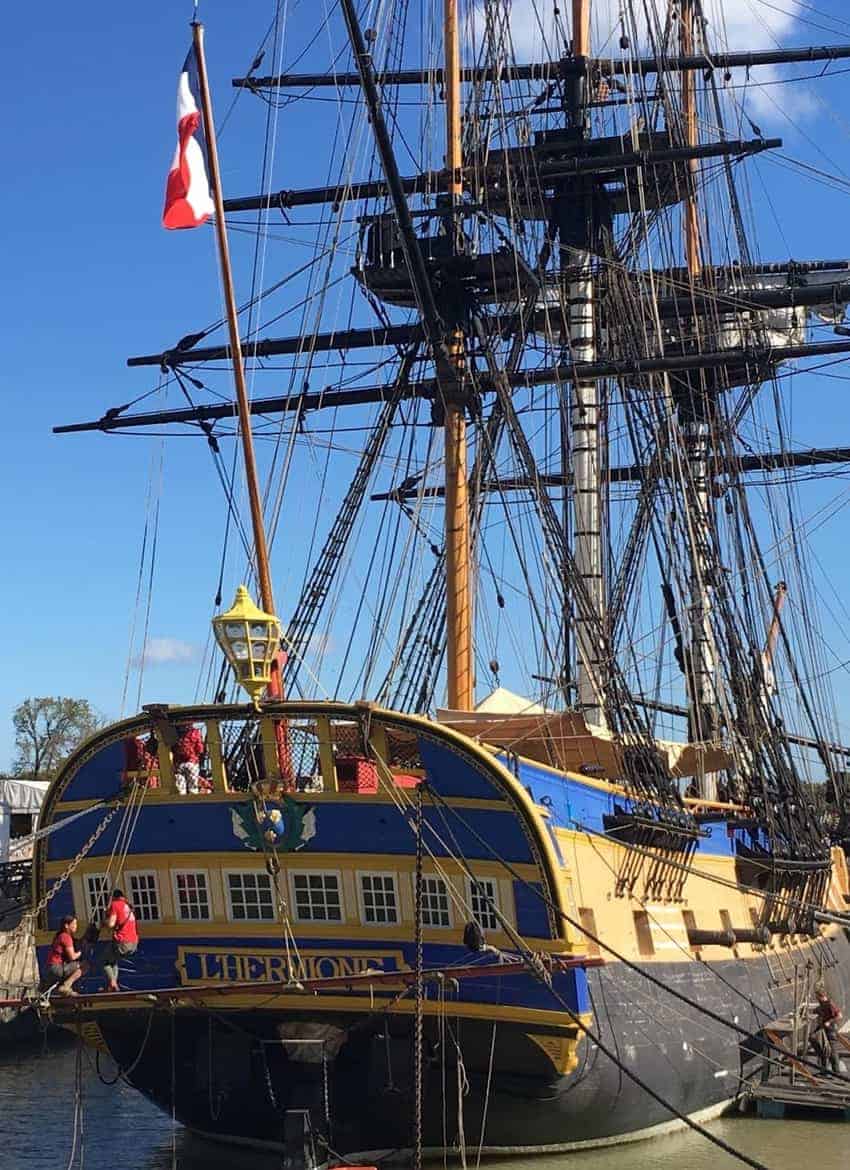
(824, 1038)
(121, 920)
(63, 960)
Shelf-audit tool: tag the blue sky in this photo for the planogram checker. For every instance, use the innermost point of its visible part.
(89, 277)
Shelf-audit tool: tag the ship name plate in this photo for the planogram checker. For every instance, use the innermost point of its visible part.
(241, 965)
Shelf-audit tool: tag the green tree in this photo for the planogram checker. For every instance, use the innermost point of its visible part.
(46, 732)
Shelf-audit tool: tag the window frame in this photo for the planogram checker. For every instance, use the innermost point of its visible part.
(334, 873)
(92, 914)
(436, 877)
(133, 899)
(15, 819)
(491, 896)
(361, 896)
(178, 916)
(228, 898)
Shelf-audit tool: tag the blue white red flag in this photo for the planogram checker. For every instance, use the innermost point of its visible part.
(188, 202)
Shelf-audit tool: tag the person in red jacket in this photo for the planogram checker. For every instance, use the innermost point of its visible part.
(187, 753)
(121, 920)
(63, 959)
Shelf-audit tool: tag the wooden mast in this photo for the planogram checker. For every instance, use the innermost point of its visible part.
(691, 130)
(701, 666)
(581, 28)
(459, 651)
(261, 551)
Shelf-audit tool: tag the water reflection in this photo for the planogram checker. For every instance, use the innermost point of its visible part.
(38, 1092)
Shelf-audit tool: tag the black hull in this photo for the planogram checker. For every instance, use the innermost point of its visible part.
(234, 1078)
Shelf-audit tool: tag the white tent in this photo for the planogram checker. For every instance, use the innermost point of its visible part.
(17, 796)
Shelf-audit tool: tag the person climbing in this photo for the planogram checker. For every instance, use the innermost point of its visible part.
(824, 1038)
(63, 959)
(121, 920)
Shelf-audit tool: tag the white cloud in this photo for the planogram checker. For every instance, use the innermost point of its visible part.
(160, 651)
(750, 24)
(732, 25)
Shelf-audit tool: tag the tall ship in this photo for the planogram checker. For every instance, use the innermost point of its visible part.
(536, 813)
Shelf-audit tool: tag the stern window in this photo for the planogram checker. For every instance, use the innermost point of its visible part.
(98, 889)
(144, 896)
(380, 904)
(483, 896)
(435, 901)
(250, 897)
(317, 897)
(193, 896)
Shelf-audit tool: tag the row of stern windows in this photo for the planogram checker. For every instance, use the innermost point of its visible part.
(313, 897)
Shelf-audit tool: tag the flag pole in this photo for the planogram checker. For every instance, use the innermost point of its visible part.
(261, 552)
(260, 546)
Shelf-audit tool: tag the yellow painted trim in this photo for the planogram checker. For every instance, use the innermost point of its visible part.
(379, 743)
(158, 796)
(268, 740)
(219, 779)
(562, 1051)
(326, 755)
(90, 1034)
(249, 860)
(372, 1000)
(219, 931)
(167, 783)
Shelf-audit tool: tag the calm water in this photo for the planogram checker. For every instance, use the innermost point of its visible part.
(121, 1130)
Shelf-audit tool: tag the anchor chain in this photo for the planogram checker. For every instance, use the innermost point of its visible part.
(31, 915)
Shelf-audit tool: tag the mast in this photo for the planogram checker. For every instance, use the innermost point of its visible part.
(260, 545)
(459, 660)
(697, 431)
(585, 453)
(689, 121)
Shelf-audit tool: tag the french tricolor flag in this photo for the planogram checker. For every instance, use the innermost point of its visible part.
(188, 202)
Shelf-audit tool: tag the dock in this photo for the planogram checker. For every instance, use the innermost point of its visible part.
(790, 1081)
(778, 1095)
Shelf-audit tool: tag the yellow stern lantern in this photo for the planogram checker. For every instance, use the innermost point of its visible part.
(250, 640)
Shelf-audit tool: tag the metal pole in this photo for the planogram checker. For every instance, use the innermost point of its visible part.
(261, 552)
(585, 429)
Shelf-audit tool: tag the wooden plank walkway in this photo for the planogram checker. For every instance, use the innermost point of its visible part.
(777, 1094)
(792, 1083)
